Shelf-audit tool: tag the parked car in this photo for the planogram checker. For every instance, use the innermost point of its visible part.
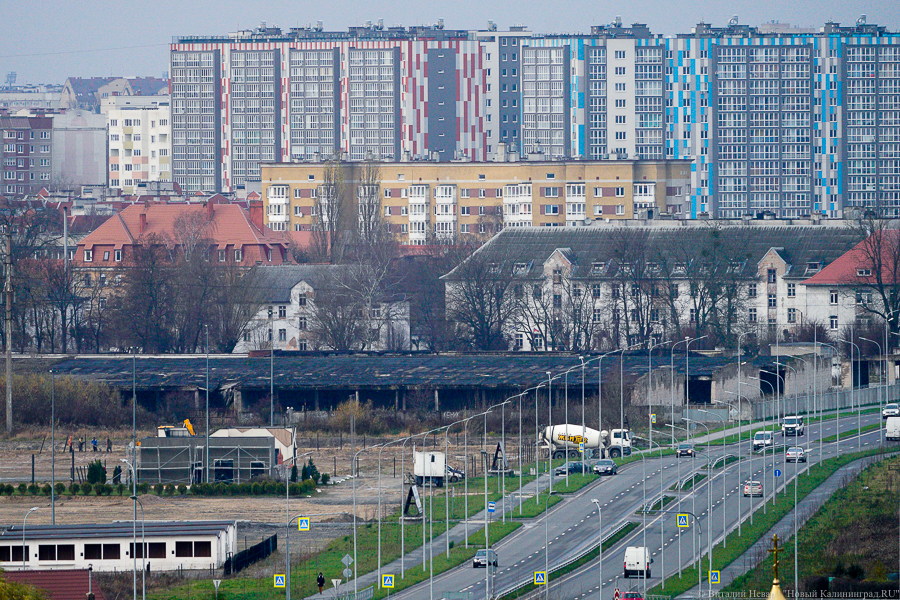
(483, 558)
(890, 410)
(569, 467)
(795, 454)
(753, 488)
(606, 467)
(685, 449)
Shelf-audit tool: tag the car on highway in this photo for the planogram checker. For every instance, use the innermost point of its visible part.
(606, 467)
(792, 425)
(890, 410)
(685, 449)
(795, 454)
(637, 562)
(753, 488)
(483, 558)
(762, 439)
(632, 596)
(569, 467)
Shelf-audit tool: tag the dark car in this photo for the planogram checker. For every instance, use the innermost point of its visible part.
(569, 467)
(632, 596)
(685, 449)
(606, 467)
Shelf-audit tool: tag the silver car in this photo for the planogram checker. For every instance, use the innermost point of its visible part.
(890, 410)
(795, 454)
(483, 558)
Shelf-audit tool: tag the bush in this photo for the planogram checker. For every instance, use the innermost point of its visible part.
(295, 489)
(22, 489)
(143, 488)
(313, 471)
(257, 489)
(74, 488)
(158, 489)
(294, 474)
(170, 489)
(32, 489)
(86, 489)
(182, 489)
(271, 487)
(46, 489)
(60, 488)
(325, 478)
(120, 489)
(304, 473)
(96, 472)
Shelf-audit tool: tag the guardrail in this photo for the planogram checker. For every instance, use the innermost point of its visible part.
(722, 458)
(563, 565)
(366, 594)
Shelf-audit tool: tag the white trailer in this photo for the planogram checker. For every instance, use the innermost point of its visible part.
(429, 467)
(892, 429)
(564, 440)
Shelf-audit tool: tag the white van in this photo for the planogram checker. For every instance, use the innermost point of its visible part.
(792, 425)
(762, 439)
(637, 562)
(892, 429)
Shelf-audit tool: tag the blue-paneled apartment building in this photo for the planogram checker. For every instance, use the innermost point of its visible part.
(773, 118)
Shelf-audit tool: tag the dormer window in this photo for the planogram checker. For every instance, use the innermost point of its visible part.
(597, 268)
(813, 266)
(864, 272)
(519, 268)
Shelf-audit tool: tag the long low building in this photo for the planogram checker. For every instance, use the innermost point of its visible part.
(169, 545)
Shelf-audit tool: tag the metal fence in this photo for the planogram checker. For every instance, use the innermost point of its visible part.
(247, 557)
(366, 594)
(825, 400)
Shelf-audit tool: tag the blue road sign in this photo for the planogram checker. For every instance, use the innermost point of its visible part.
(279, 581)
(683, 521)
(777, 472)
(714, 576)
(491, 507)
(303, 524)
(540, 577)
(387, 581)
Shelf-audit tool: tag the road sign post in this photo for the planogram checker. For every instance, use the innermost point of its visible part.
(714, 576)
(279, 581)
(303, 524)
(387, 581)
(492, 506)
(684, 520)
(653, 418)
(216, 583)
(540, 578)
(777, 472)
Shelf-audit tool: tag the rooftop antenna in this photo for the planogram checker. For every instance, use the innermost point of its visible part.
(733, 21)
(861, 21)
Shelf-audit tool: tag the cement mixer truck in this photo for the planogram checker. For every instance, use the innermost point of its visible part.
(563, 440)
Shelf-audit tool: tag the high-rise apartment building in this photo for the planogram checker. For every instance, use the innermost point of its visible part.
(774, 119)
(27, 144)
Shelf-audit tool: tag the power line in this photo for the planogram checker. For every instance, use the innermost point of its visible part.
(80, 51)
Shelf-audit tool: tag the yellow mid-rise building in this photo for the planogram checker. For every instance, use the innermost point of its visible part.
(421, 199)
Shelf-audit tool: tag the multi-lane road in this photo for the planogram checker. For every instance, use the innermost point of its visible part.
(571, 527)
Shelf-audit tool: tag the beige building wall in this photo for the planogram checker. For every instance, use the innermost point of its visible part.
(423, 199)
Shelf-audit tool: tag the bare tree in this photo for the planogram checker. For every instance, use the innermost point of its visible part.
(332, 218)
(878, 271)
(371, 229)
(338, 314)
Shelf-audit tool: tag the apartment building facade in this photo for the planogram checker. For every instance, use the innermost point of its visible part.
(790, 121)
(424, 200)
(139, 141)
(27, 154)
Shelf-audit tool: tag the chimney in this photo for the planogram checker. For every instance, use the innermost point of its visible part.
(256, 213)
(210, 209)
(143, 223)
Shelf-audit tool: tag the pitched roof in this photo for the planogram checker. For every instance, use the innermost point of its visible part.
(798, 245)
(843, 271)
(148, 86)
(274, 284)
(230, 225)
(60, 585)
(88, 86)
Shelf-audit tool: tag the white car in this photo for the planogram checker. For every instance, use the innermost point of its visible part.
(890, 410)
(792, 425)
(762, 439)
(753, 488)
(795, 454)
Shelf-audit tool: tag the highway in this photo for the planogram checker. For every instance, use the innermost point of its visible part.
(572, 524)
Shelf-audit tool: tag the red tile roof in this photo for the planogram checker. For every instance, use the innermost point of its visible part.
(59, 585)
(843, 271)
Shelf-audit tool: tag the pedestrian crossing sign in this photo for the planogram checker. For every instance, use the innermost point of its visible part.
(303, 524)
(683, 521)
(540, 577)
(387, 581)
(279, 581)
(714, 576)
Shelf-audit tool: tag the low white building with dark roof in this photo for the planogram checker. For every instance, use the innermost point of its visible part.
(170, 545)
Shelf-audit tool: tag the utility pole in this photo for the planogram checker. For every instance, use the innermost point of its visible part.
(7, 289)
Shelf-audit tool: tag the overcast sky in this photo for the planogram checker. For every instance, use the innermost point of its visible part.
(47, 41)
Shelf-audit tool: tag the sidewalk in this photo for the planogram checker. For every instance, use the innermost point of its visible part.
(785, 527)
(457, 535)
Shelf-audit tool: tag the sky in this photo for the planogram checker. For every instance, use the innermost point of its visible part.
(49, 40)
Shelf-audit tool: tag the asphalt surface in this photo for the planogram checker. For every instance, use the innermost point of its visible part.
(570, 527)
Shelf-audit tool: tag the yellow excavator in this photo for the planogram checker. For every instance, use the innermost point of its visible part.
(184, 430)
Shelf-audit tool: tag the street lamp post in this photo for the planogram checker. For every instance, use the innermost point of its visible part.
(678, 467)
(740, 437)
(287, 515)
(144, 551)
(879, 396)
(52, 447)
(724, 495)
(134, 521)
(206, 449)
(600, 544)
(708, 490)
(466, 478)
(24, 552)
(852, 390)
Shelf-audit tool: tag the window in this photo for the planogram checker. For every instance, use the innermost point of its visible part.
(751, 290)
(301, 323)
(106, 256)
(282, 335)
(833, 295)
(88, 255)
(557, 300)
(282, 311)
(833, 322)
(620, 192)
(792, 315)
(519, 342)
(221, 256)
(771, 275)
(238, 255)
(751, 315)
(792, 290)
(117, 255)
(863, 297)
(772, 301)
(301, 301)
(863, 272)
